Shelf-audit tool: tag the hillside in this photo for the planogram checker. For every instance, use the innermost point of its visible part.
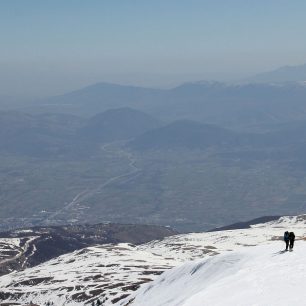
(100, 97)
(28, 247)
(184, 134)
(117, 124)
(112, 273)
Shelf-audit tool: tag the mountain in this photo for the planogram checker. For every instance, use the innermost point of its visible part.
(255, 106)
(184, 134)
(284, 139)
(100, 97)
(117, 124)
(282, 75)
(198, 136)
(223, 267)
(247, 271)
(28, 247)
(246, 224)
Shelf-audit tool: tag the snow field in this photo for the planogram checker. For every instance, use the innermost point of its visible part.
(110, 272)
(256, 276)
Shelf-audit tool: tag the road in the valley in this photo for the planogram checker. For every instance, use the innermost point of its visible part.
(88, 193)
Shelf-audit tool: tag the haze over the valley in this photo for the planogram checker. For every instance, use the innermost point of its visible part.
(183, 113)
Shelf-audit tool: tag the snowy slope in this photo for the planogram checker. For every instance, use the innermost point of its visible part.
(261, 276)
(25, 248)
(113, 272)
(198, 245)
(109, 272)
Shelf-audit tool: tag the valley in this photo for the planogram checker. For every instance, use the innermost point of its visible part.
(125, 165)
(170, 183)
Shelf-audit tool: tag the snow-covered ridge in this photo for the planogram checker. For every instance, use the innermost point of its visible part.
(113, 272)
(198, 245)
(261, 276)
(25, 248)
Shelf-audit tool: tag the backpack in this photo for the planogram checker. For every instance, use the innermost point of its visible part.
(286, 236)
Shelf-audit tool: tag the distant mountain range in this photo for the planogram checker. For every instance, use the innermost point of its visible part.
(240, 106)
(257, 102)
(282, 75)
(100, 97)
(68, 135)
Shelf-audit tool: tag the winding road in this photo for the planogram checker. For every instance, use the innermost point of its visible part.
(88, 193)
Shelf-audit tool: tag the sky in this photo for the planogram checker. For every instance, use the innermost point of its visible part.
(50, 47)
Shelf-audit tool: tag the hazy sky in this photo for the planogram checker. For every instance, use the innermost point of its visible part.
(50, 46)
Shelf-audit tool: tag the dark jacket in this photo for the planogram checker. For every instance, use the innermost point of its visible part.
(286, 236)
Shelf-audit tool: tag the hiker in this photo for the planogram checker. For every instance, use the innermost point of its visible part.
(291, 240)
(286, 239)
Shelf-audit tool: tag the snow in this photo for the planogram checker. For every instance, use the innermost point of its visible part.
(198, 245)
(108, 269)
(9, 247)
(261, 276)
(23, 231)
(10, 241)
(232, 265)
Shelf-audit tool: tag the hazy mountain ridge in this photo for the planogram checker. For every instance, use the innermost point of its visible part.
(196, 135)
(49, 133)
(238, 105)
(100, 97)
(184, 133)
(117, 124)
(285, 74)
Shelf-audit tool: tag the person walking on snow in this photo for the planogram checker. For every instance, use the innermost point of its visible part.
(286, 239)
(291, 240)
